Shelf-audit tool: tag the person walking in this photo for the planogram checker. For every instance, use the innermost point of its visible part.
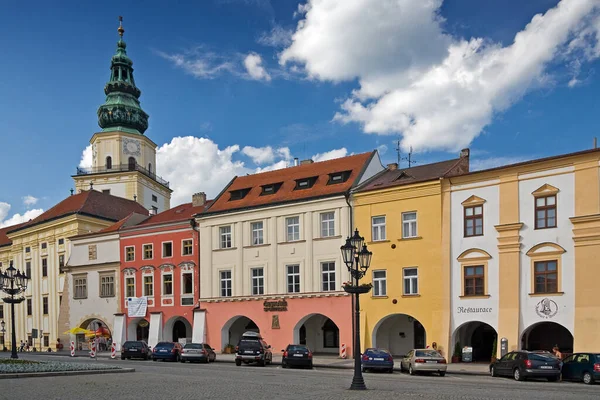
(22, 346)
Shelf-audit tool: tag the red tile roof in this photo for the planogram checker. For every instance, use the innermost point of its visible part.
(88, 202)
(182, 212)
(130, 220)
(421, 173)
(4, 240)
(288, 176)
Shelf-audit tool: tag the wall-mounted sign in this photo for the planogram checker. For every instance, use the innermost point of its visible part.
(275, 322)
(473, 310)
(277, 305)
(137, 306)
(546, 308)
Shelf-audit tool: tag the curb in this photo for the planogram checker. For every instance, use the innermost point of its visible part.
(65, 373)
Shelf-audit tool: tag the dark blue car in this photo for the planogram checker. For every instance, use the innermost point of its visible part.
(166, 351)
(582, 367)
(377, 359)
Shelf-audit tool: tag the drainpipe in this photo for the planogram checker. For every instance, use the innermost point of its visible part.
(195, 228)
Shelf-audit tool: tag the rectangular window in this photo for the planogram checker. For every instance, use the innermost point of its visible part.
(225, 283)
(130, 287)
(148, 253)
(106, 191)
(293, 278)
(187, 283)
(154, 198)
(130, 253)
(187, 248)
(292, 228)
(167, 249)
(474, 280)
(61, 263)
(154, 210)
(2, 341)
(167, 285)
(411, 281)
(44, 267)
(328, 276)
(46, 340)
(545, 212)
(379, 283)
(29, 307)
(60, 300)
(327, 224)
(546, 276)
(409, 225)
(1, 311)
(44, 245)
(378, 228)
(28, 269)
(80, 285)
(225, 235)
(149, 286)
(107, 286)
(258, 281)
(473, 221)
(27, 249)
(257, 233)
(61, 242)
(45, 305)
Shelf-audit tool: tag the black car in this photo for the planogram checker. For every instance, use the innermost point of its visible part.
(582, 367)
(167, 351)
(253, 349)
(525, 364)
(135, 349)
(297, 355)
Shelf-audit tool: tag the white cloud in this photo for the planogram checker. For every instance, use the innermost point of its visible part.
(276, 37)
(439, 92)
(29, 200)
(254, 67)
(264, 155)
(479, 164)
(16, 218)
(330, 155)
(382, 149)
(201, 63)
(86, 158)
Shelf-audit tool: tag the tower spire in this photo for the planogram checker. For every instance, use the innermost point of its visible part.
(122, 110)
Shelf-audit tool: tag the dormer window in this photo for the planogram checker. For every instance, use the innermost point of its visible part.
(305, 183)
(338, 177)
(238, 194)
(270, 189)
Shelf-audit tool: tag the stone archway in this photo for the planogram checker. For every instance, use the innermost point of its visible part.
(138, 329)
(319, 332)
(399, 333)
(478, 335)
(102, 334)
(177, 328)
(545, 335)
(233, 330)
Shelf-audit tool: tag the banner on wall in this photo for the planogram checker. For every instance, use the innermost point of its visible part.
(137, 306)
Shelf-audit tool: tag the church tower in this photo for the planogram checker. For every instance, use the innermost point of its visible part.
(123, 158)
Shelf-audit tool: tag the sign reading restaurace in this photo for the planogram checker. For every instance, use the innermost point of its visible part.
(277, 305)
(472, 310)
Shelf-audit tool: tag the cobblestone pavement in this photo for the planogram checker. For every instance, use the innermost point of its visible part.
(168, 380)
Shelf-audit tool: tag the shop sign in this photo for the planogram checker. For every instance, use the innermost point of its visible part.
(277, 305)
(473, 310)
(546, 308)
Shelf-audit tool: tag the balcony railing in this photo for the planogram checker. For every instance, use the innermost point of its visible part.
(122, 168)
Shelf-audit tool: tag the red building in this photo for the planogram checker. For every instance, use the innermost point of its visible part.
(160, 268)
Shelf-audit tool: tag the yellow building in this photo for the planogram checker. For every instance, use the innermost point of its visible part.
(399, 212)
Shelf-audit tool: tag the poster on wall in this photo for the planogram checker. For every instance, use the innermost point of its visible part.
(137, 306)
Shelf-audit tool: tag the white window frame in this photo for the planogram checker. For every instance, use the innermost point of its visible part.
(223, 237)
(127, 247)
(103, 275)
(295, 234)
(380, 284)
(162, 249)
(295, 276)
(413, 280)
(183, 247)
(75, 279)
(378, 231)
(229, 279)
(327, 225)
(327, 283)
(162, 286)
(260, 233)
(151, 276)
(183, 294)
(411, 225)
(258, 281)
(144, 251)
(129, 277)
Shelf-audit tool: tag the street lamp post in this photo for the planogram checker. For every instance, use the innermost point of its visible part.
(3, 331)
(13, 283)
(358, 260)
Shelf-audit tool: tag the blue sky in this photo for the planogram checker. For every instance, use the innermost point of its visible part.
(229, 71)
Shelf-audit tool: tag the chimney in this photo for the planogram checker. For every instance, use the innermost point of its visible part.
(295, 161)
(595, 142)
(309, 161)
(464, 153)
(198, 199)
(393, 166)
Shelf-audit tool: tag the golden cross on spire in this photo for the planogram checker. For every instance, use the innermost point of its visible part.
(121, 30)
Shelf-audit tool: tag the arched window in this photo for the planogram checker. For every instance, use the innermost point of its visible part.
(150, 167)
(131, 163)
(109, 162)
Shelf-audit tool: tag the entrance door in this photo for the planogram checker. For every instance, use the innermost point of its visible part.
(419, 335)
(179, 331)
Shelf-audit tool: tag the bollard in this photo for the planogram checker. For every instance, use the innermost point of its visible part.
(113, 352)
(72, 349)
(93, 350)
(343, 351)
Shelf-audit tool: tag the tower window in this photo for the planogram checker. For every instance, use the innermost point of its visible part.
(124, 75)
(150, 167)
(131, 163)
(109, 162)
(116, 74)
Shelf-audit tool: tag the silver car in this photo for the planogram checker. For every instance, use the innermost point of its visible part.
(198, 352)
(423, 360)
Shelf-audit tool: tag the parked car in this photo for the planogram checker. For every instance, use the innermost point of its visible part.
(423, 360)
(377, 359)
(135, 349)
(198, 352)
(252, 348)
(526, 364)
(582, 367)
(297, 355)
(166, 351)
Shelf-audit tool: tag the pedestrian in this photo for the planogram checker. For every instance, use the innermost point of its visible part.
(556, 352)
(22, 346)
